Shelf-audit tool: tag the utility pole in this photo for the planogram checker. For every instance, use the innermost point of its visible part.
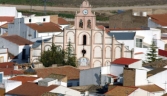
(44, 7)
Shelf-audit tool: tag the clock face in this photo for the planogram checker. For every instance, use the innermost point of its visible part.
(85, 11)
(83, 61)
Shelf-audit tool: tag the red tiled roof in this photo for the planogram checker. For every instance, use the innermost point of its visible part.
(6, 18)
(10, 71)
(125, 29)
(31, 89)
(160, 19)
(162, 52)
(125, 61)
(139, 53)
(113, 76)
(151, 88)
(45, 27)
(4, 25)
(102, 28)
(120, 91)
(24, 79)
(7, 65)
(62, 21)
(17, 40)
(69, 71)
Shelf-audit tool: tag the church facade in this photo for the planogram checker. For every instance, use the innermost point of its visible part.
(92, 44)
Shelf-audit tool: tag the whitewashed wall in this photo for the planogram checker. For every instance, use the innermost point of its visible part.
(159, 79)
(140, 77)
(152, 24)
(8, 11)
(12, 48)
(11, 84)
(130, 43)
(35, 19)
(141, 92)
(116, 69)
(48, 34)
(136, 65)
(66, 91)
(4, 54)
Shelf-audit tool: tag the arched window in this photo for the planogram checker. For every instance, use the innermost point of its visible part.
(81, 23)
(84, 39)
(89, 24)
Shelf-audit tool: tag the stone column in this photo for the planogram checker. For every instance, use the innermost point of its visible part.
(113, 47)
(91, 52)
(122, 51)
(103, 48)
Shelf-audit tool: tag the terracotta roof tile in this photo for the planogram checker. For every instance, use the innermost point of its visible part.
(159, 19)
(120, 91)
(155, 71)
(125, 61)
(24, 79)
(151, 88)
(102, 28)
(139, 53)
(162, 52)
(7, 65)
(45, 27)
(10, 71)
(156, 64)
(69, 71)
(117, 29)
(4, 25)
(17, 40)
(62, 21)
(31, 89)
(5, 34)
(6, 18)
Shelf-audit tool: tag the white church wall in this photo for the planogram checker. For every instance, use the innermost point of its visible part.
(108, 52)
(70, 36)
(117, 52)
(98, 38)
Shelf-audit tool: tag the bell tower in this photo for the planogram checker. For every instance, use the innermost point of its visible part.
(85, 19)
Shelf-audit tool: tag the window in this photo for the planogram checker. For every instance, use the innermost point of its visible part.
(81, 23)
(84, 39)
(139, 42)
(109, 79)
(44, 19)
(69, 85)
(144, 46)
(29, 20)
(89, 24)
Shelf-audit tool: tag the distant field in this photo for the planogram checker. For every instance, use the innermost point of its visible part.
(95, 3)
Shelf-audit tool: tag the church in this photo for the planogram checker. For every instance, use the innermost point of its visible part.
(92, 44)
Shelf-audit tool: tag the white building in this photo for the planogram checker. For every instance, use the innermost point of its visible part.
(157, 20)
(37, 27)
(139, 40)
(3, 55)
(17, 46)
(7, 14)
(158, 77)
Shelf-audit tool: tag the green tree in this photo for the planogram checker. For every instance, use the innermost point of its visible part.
(152, 53)
(71, 59)
(52, 56)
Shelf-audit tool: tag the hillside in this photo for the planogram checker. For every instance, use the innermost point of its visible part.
(95, 3)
